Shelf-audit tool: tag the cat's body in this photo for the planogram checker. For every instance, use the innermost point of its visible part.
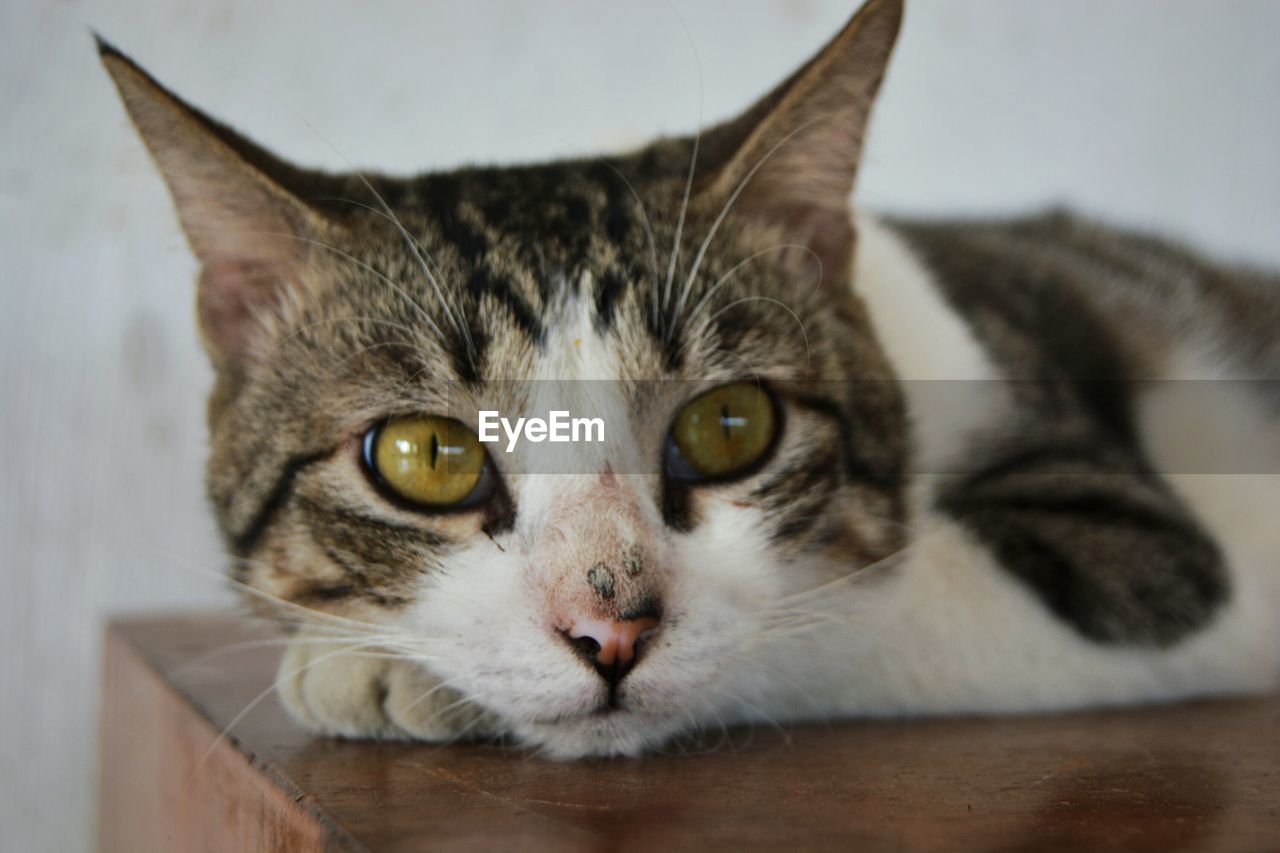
(982, 484)
(945, 631)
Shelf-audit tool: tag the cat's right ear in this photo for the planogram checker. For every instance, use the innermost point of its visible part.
(791, 159)
(251, 235)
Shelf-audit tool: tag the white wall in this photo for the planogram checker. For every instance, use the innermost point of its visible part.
(1157, 112)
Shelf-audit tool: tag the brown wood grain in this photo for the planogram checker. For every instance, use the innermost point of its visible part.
(1197, 776)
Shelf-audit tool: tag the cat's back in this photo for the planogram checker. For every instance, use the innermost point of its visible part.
(1166, 356)
(1059, 292)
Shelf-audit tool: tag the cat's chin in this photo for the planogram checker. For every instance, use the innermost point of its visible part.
(606, 734)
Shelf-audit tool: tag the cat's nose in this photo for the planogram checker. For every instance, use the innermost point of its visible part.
(612, 645)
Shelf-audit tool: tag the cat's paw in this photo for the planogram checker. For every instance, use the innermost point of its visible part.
(358, 694)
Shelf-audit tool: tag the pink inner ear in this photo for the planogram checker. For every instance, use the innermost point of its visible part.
(232, 296)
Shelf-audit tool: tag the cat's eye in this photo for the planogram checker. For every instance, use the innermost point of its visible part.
(722, 433)
(432, 462)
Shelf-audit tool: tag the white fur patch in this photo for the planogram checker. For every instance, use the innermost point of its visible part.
(952, 388)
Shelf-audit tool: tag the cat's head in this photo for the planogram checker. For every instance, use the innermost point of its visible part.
(695, 295)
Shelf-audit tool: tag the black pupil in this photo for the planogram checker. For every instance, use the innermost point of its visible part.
(725, 421)
(435, 450)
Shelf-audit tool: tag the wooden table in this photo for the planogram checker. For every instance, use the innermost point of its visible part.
(1200, 776)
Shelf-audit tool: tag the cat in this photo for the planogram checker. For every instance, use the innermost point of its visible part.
(857, 466)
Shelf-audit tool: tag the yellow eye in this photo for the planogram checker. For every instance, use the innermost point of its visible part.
(725, 431)
(435, 462)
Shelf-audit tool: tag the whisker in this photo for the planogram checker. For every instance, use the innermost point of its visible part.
(755, 374)
(330, 621)
(377, 211)
(760, 715)
(644, 218)
(309, 613)
(352, 318)
(688, 186)
(257, 700)
(413, 303)
(452, 308)
(753, 661)
(711, 291)
(733, 197)
(920, 537)
(807, 351)
(675, 241)
(427, 694)
(365, 350)
(644, 213)
(454, 312)
(250, 645)
(414, 247)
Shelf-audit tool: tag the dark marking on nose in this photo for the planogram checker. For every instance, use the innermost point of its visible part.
(602, 581)
(632, 562)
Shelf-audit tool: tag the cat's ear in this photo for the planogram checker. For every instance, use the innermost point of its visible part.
(250, 234)
(792, 158)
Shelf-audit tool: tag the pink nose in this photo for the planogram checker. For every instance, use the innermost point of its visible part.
(611, 645)
(616, 641)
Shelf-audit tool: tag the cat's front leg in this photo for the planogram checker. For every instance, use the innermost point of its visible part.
(358, 693)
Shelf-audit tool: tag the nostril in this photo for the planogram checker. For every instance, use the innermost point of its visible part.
(588, 647)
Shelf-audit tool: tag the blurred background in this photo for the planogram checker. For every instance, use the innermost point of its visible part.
(1156, 113)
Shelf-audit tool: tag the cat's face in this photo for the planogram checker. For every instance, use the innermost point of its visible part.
(599, 598)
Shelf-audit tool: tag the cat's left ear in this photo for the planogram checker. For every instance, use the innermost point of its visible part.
(792, 158)
(239, 206)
